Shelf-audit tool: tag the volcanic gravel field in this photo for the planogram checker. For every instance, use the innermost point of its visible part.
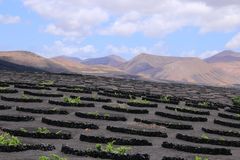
(195, 120)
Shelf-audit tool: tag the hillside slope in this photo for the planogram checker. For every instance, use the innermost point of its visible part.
(111, 60)
(8, 66)
(30, 59)
(224, 56)
(181, 69)
(77, 67)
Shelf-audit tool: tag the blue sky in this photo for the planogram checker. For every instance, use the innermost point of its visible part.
(126, 28)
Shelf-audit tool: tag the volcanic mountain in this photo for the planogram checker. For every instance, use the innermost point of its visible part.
(181, 69)
(111, 60)
(225, 56)
(32, 60)
(221, 69)
(75, 65)
(5, 65)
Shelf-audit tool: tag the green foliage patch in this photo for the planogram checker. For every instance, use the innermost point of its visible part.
(141, 101)
(76, 100)
(236, 100)
(51, 157)
(8, 140)
(110, 148)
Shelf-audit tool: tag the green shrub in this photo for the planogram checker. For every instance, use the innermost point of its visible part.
(222, 139)
(99, 147)
(204, 136)
(93, 113)
(23, 130)
(236, 100)
(3, 88)
(200, 158)
(123, 106)
(25, 97)
(95, 95)
(76, 100)
(46, 82)
(43, 158)
(106, 115)
(110, 148)
(7, 140)
(43, 130)
(53, 109)
(141, 101)
(58, 132)
(78, 89)
(165, 98)
(51, 157)
(203, 104)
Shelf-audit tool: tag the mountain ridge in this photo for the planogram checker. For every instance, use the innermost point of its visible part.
(213, 70)
(111, 60)
(224, 56)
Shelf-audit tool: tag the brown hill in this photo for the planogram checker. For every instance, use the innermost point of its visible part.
(232, 68)
(111, 60)
(8, 66)
(224, 56)
(30, 59)
(144, 62)
(181, 69)
(217, 70)
(76, 66)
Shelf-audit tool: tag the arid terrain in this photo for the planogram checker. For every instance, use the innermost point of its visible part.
(222, 69)
(170, 120)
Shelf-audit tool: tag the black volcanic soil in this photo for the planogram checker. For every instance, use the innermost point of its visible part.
(156, 151)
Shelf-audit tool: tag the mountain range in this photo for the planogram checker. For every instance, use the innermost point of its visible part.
(220, 69)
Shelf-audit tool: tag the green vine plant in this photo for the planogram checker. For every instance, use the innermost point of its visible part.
(58, 132)
(93, 113)
(23, 130)
(46, 82)
(95, 95)
(165, 98)
(26, 97)
(123, 106)
(236, 100)
(204, 136)
(139, 100)
(53, 109)
(110, 148)
(3, 88)
(221, 139)
(7, 140)
(200, 158)
(43, 130)
(203, 104)
(76, 100)
(52, 157)
(78, 89)
(106, 115)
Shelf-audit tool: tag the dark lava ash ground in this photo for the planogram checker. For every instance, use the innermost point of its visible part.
(218, 101)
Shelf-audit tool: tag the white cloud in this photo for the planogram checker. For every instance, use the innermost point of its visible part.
(125, 17)
(62, 48)
(125, 25)
(222, 19)
(234, 43)
(202, 55)
(6, 19)
(69, 18)
(219, 2)
(126, 52)
(207, 54)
